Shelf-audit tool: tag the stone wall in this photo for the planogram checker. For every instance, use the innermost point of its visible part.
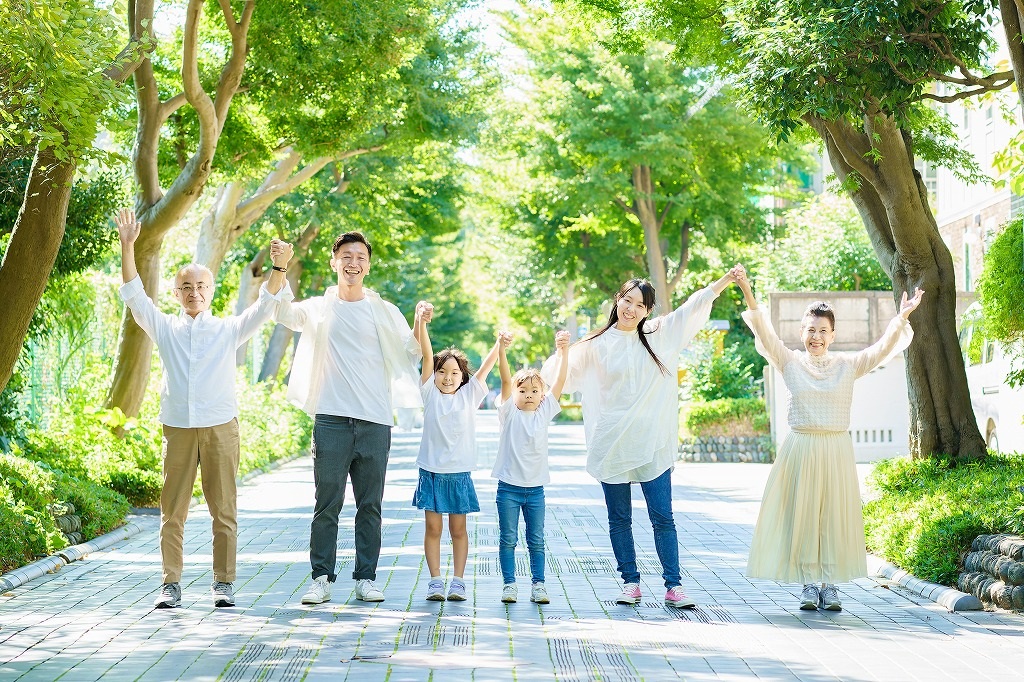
(993, 571)
(726, 449)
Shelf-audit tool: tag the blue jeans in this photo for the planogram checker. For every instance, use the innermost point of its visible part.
(619, 500)
(510, 499)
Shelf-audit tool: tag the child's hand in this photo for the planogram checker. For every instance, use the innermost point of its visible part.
(424, 311)
(561, 341)
(908, 306)
(504, 339)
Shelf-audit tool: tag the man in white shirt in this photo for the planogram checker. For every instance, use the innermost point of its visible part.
(355, 363)
(198, 410)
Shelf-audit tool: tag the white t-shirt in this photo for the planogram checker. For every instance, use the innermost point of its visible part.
(448, 445)
(355, 381)
(523, 443)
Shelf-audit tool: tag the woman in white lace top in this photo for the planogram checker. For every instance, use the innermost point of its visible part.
(810, 529)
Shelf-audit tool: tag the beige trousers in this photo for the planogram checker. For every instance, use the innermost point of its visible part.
(215, 449)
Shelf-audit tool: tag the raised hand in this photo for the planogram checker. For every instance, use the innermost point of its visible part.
(280, 253)
(128, 228)
(425, 311)
(561, 340)
(909, 305)
(504, 339)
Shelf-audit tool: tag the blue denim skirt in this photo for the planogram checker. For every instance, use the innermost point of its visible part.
(446, 493)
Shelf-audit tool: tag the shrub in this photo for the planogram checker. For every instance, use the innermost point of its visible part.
(1001, 289)
(928, 512)
(727, 417)
(713, 376)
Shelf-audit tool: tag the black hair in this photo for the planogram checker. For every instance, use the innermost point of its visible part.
(822, 309)
(453, 353)
(649, 297)
(348, 238)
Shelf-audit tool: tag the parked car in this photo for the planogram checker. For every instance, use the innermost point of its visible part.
(998, 407)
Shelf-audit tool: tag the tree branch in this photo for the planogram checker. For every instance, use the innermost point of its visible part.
(966, 94)
(173, 104)
(850, 144)
(684, 255)
(625, 207)
(231, 74)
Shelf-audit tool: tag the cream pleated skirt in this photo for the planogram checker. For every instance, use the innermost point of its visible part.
(810, 528)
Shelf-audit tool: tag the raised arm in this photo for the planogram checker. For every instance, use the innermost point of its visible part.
(562, 351)
(487, 364)
(424, 314)
(504, 341)
(249, 321)
(766, 341)
(128, 229)
(280, 255)
(896, 338)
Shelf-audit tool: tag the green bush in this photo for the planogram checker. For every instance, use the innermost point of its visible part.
(141, 488)
(1001, 289)
(726, 417)
(722, 376)
(928, 512)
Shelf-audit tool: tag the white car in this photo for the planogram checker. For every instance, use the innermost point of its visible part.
(998, 407)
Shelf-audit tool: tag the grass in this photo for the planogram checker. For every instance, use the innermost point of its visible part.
(928, 512)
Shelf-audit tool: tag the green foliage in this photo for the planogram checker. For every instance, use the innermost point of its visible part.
(54, 92)
(727, 417)
(713, 376)
(1001, 289)
(822, 246)
(928, 512)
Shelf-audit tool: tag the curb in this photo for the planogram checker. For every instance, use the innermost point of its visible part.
(948, 597)
(57, 561)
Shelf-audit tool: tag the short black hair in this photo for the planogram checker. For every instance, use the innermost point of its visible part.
(350, 237)
(822, 309)
(453, 353)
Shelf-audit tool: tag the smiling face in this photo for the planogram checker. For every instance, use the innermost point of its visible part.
(352, 262)
(448, 377)
(193, 287)
(528, 393)
(630, 309)
(817, 334)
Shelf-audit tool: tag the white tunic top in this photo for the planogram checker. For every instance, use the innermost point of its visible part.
(198, 355)
(448, 445)
(523, 443)
(821, 388)
(630, 407)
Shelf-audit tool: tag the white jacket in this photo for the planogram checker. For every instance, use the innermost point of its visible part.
(400, 349)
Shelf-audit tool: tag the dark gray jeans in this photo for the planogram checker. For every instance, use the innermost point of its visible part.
(345, 448)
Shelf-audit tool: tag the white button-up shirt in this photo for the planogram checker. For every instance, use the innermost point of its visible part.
(198, 355)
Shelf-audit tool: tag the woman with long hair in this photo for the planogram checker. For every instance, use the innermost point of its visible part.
(626, 373)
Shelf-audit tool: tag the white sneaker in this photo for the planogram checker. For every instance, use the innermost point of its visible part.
(319, 591)
(630, 594)
(509, 593)
(539, 594)
(367, 591)
(435, 590)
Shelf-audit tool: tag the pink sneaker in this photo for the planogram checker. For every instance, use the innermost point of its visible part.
(677, 598)
(630, 594)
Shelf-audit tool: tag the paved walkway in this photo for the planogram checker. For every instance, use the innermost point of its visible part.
(94, 619)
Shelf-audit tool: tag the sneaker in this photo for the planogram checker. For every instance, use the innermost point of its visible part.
(223, 594)
(809, 598)
(457, 590)
(509, 594)
(169, 597)
(367, 591)
(630, 594)
(539, 594)
(319, 591)
(678, 599)
(435, 590)
(829, 599)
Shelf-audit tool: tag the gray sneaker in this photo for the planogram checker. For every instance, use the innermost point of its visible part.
(829, 599)
(169, 597)
(223, 594)
(809, 598)
(457, 590)
(435, 590)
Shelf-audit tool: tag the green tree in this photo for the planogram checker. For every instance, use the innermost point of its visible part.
(1001, 290)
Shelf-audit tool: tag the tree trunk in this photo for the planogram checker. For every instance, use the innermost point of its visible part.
(571, 320)
(253, 275)
(218, 231)
(1012, 14)
(893, 203)
(280, 339)
(646, 211)
(32, 251)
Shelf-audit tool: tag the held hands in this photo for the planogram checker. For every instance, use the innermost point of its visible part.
(280, 253)
(562, 341)
(128, 228)
(738, 274)
(504, 339)
(908, 306)
(424, 311)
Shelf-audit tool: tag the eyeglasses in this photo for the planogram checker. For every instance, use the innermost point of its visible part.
(188, 288)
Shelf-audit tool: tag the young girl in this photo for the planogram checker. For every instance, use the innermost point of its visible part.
(521, 466)
(447, 453)
(810, 529)
(626, 372)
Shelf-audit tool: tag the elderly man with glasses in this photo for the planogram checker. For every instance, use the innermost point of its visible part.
(198, 410)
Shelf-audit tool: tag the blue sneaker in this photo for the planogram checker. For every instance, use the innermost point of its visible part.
(435, 590)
